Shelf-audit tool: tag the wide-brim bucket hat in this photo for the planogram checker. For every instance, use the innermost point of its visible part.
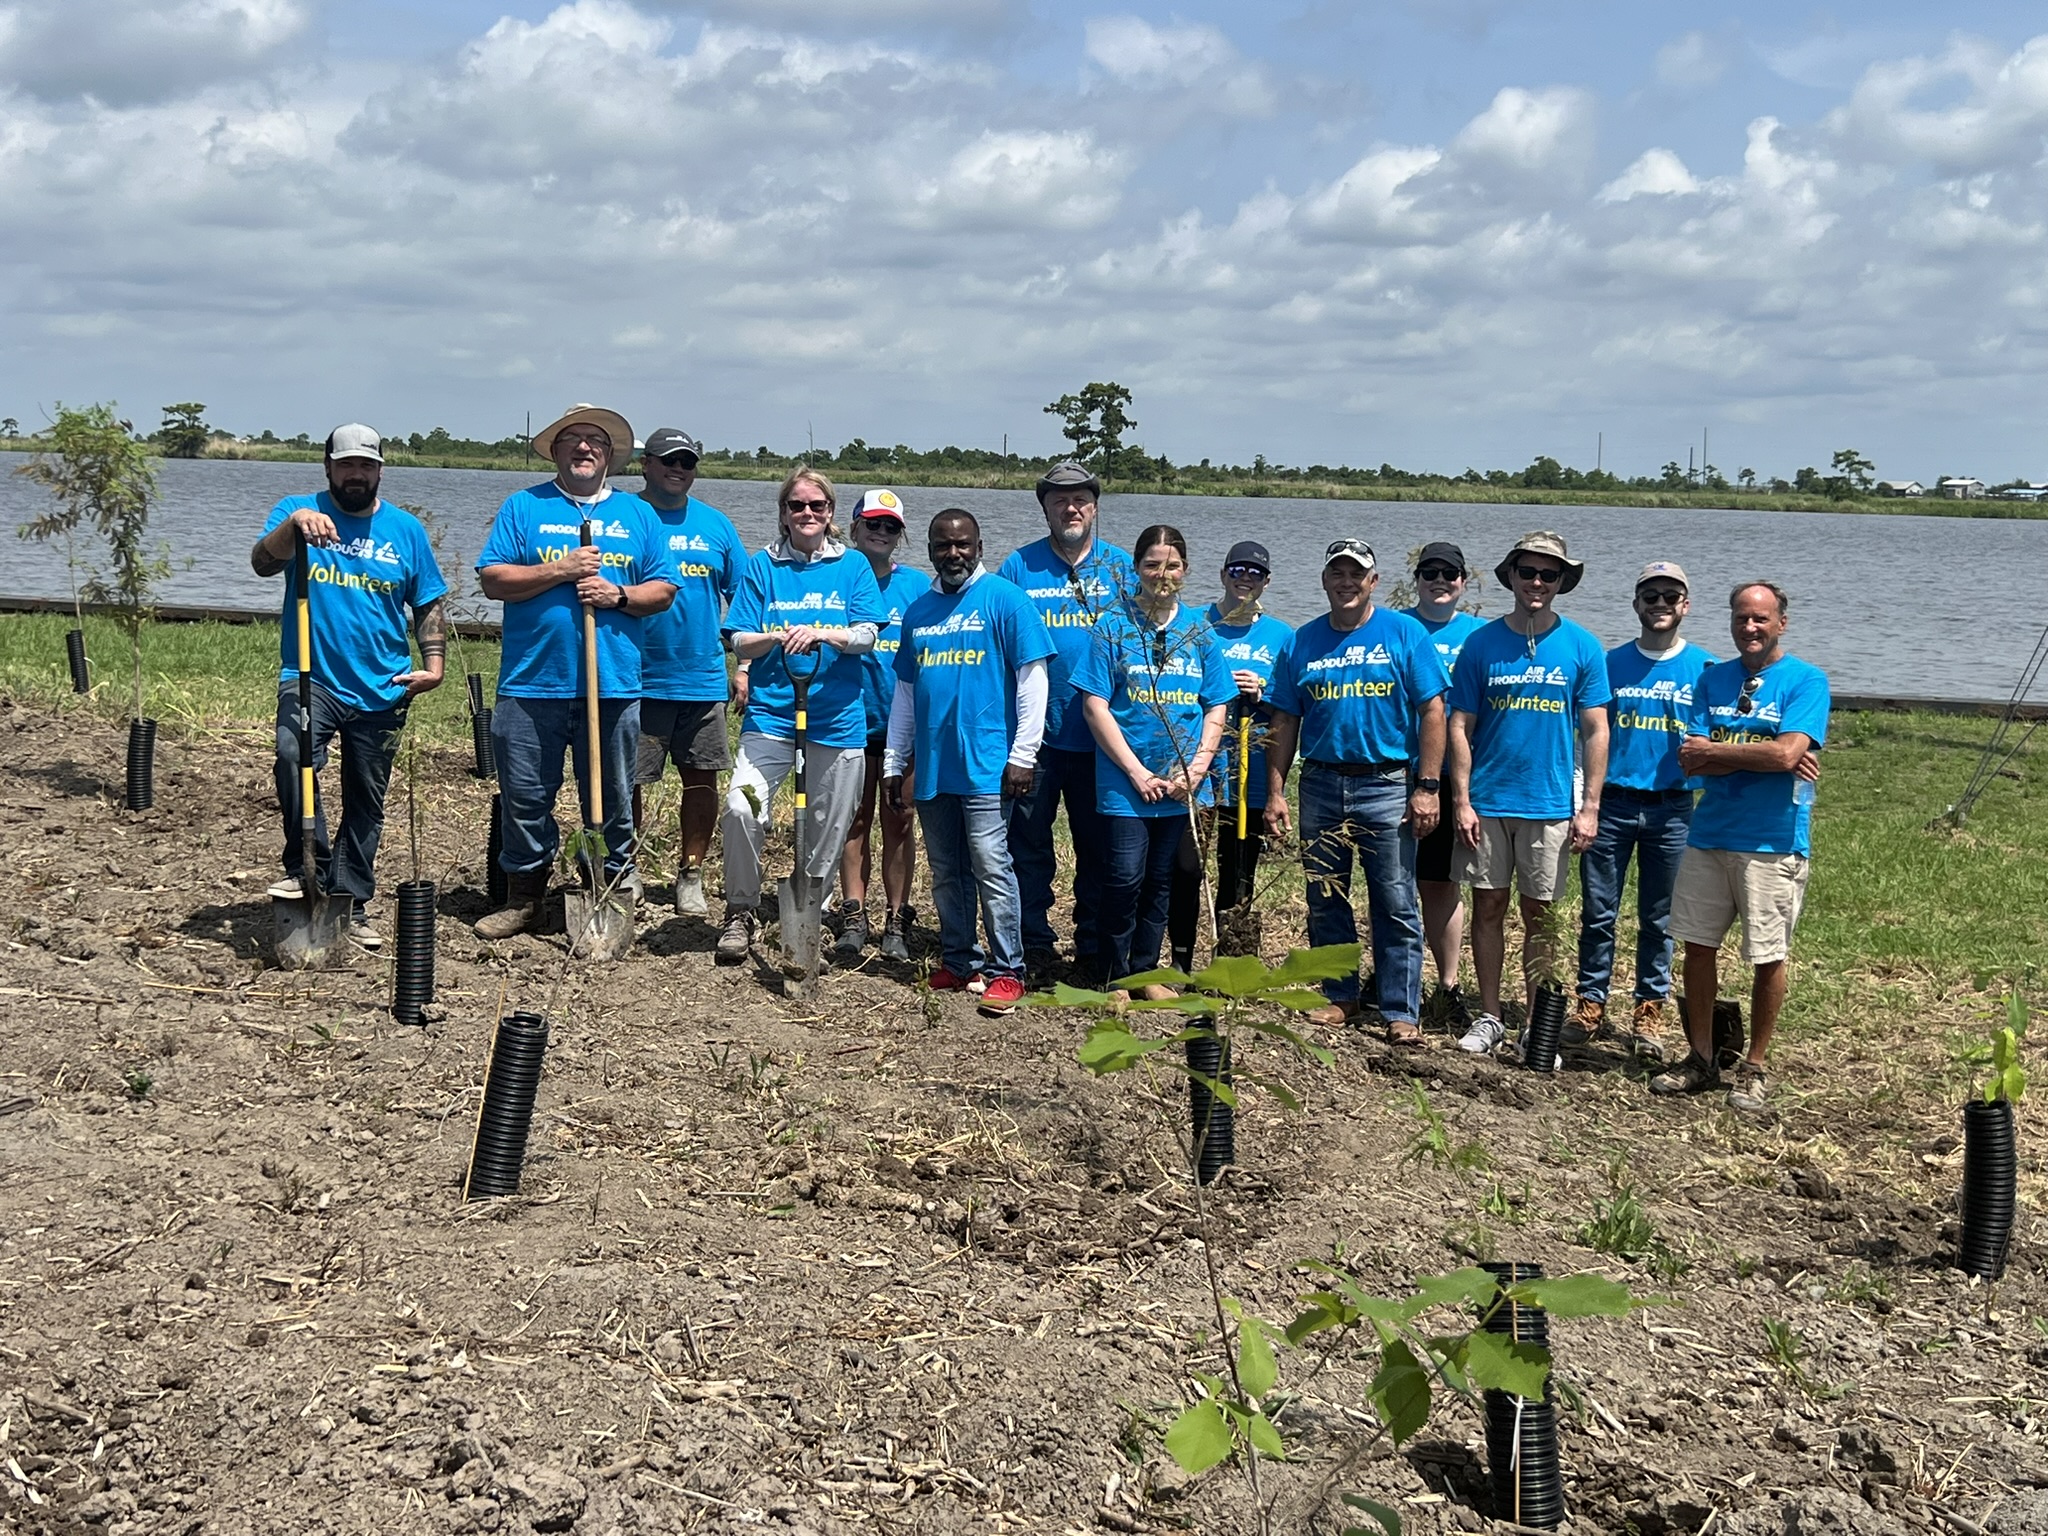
(1542, 542)
(616, 427)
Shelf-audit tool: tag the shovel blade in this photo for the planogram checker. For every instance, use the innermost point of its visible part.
(309, 928)
(802, 940)
(600, 927)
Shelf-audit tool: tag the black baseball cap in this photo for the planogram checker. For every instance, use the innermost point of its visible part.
(1447, 553)
(1248, 552)
(664, 441)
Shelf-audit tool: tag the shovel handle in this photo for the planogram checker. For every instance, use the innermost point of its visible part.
(309, 872)
(1244, 771)
(590, 722)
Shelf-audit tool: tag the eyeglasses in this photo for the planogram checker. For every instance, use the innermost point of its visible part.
(1548, 574)
(593, 437)
(795, 504)
(1746, 700)
(887, 527)
(1661, 598)
(1245, 572)
(676, 460)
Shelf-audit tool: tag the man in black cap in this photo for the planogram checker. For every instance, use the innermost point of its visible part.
(1254, 644)
(1072, 578)
(683, 687)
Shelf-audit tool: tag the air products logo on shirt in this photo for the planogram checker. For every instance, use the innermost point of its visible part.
(932, 641)
(1665, 689)
(1351, 656)
(955, 623)
(367, 548)
(693, 542)
(809, 600)
(1241, 650)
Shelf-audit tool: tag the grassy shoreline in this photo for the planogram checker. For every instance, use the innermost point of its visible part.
(1456, 492)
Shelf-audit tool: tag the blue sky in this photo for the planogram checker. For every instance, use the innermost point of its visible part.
(1439, 234)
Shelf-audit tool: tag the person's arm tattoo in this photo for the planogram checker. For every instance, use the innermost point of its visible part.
(430, 624)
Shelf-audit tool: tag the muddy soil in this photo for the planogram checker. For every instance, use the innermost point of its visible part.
(874, 1262)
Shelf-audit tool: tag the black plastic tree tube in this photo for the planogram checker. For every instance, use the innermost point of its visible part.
(141, 764)
(412, 984)
(1212, 1122)
(480, 730)
(1545, 1027)
(1990, 1170)
(494, 851)
(74, 649)
(1521, 1436)
(511, 1079)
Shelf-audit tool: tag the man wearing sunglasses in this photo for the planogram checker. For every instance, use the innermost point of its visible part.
(1645, 811)
(1756, 724)
(1361, 693)
(1528, 721)
(683, 689)
(1072, 579)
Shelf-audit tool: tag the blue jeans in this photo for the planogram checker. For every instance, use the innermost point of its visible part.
(1137, 888)
(1072, 775)
(1655, 832)
(1342, 816)
(369, 741)
(966, 843)
(529, 736)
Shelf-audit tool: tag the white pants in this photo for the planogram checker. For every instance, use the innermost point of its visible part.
(836, 775)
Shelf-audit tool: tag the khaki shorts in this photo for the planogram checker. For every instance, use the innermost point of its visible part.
(1534, 856)
(1717, 885)
(693, 733)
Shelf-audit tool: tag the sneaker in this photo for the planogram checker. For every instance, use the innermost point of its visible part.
(1002, 996)
(365, 936)
(288, 889)
(943, 980)
(895, 943)
(628, 886)
(690, 893)
(738, 936)
(1750, 1090)
(1457, 1013)
(1646, 1030)
(853, 931)
(1484, 1036)
(1043, 965)
(1588, 1023)
(1692, 1075)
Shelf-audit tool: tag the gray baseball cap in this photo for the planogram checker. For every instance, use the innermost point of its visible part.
(355, 441)
(663, 441)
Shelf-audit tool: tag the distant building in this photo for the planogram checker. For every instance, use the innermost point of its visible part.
(2026, 491)
(1901, 488)
(1961, 487)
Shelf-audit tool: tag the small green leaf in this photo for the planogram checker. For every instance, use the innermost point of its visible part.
(1199, 1438)
(1064, 996)
(1389, 1522)
(1580, 1296)
(1221, 1091)
(1256, 1369)
(1233, 976)
(1326, 962)
(1472, 1286)
(1110, 1047)
(1300, 999)
(1326, 1309)
(1193, 1004)
(1164, 976)
(1400, 1391)
(1494, 1361)
(1265, 1438)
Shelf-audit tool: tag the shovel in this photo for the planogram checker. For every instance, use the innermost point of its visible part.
(599, 920)
(798, 896)
(310, 925)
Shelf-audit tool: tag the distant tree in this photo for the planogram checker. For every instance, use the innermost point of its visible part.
(1851, 475)
(1809, 481)
(1780, 485)
(1748, 479)
(9, 427)
(1673, 477)
(184, 432)
(1545, 472)
(1095, 421)
(1712, 479)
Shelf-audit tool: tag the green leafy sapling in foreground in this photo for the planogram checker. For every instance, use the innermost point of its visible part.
(2008, 1079)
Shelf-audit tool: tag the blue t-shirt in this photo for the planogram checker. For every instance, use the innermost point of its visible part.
(960, 655)
(1358, 692)
(1748, 812)
(1450, 635)
(1260, 646)
(1158, 682)
(878, 681)
(361, 589)
(543, 641)
(1069, 600)
(683, 654)
(776, 595)
(1647, 716)
(1525, 704)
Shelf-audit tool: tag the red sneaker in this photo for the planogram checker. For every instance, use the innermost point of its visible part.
(943, 980)
(1002, 997)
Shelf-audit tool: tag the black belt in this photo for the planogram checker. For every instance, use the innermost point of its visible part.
(1653, 796)
(1355, 770)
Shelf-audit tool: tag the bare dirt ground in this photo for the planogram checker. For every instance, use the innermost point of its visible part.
(875, 1263)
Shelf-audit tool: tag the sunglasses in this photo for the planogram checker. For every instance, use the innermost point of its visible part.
(794, 504)
(1662, 597)
(887, 527)
(1246, 572)
(1746, 700)
(1439, 573)
(676, 460)
(1550, 575)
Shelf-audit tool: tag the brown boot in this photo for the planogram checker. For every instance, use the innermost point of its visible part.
(524, 895)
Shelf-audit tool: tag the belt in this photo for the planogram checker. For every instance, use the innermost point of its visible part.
(1356, 770)
(1653, 796)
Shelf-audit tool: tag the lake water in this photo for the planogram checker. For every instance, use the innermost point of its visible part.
(1860, 583)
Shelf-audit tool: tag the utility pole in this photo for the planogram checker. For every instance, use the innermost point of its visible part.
(1705, 457)
(1691, 475)
(810, 438)
(527, 453)
(1599, 452)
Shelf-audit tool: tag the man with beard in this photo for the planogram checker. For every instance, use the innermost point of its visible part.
(1072, 579)
(370, 562)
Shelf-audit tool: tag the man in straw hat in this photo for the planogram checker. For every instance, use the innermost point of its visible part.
(536, 564)
(1528, 725)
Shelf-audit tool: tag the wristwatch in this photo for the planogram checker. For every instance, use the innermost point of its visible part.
(1428, 786)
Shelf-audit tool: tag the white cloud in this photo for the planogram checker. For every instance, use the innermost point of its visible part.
(2002, 114)
(1529, 131)
(125, 52)
(1023, 181)
(1694, 62)
(1656, 172)
(1375, 197)
(1133, 50)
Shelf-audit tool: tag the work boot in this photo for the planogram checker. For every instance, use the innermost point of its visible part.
(896, 935)
(853, 932)
(525, 893)
(1646, 1030)
(690, 892)
(1588, 1023)
(738, 937)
